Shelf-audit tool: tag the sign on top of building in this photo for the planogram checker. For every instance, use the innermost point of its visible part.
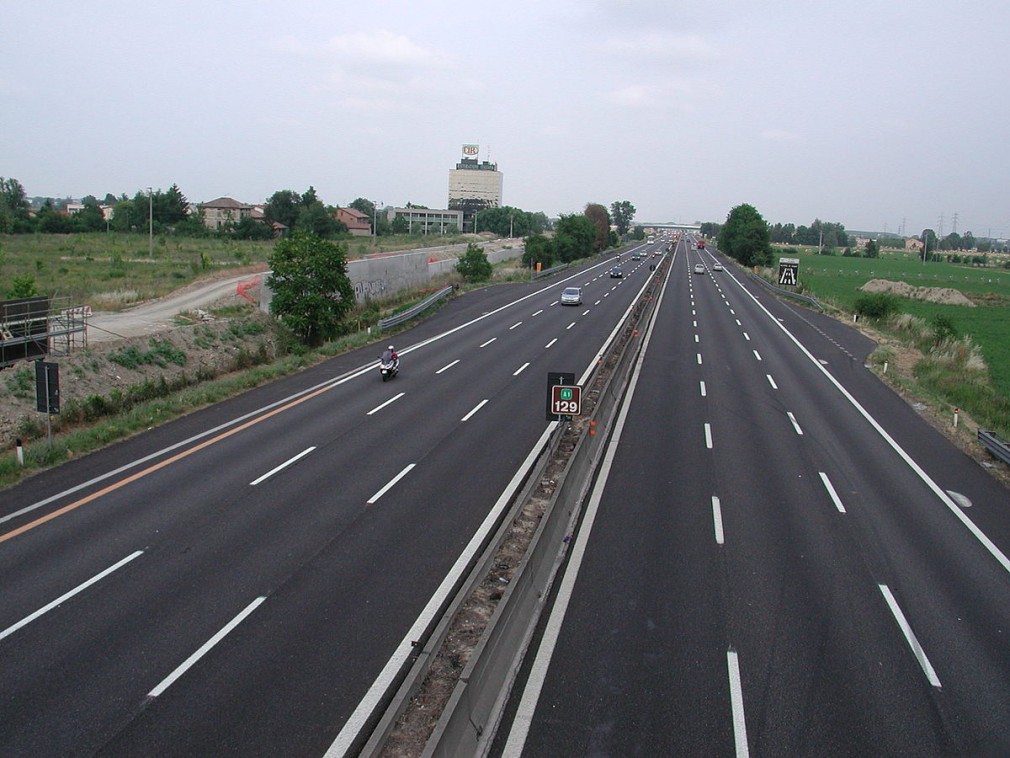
(471, 151)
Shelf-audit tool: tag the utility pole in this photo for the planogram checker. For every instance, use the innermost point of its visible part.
(954, 230)
(150, 222)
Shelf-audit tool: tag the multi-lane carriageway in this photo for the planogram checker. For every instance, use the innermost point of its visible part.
(770, 561)
(778, 558)
(244, 579)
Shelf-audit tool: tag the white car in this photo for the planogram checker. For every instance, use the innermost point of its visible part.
(571, 296)
(699, 269)
(717, 267)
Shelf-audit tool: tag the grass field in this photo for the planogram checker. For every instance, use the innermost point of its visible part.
(836, 280)
(110, 271)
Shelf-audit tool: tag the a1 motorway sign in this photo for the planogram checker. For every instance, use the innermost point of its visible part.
(566, 401)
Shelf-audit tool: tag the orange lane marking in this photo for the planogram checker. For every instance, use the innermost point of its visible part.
(157, 466)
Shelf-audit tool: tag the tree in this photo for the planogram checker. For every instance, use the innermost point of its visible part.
(872, 250)
(601, 222)
(400, 225)
(13, 207)
(505, 221)
(249, 228)
(573, 238)
(474, 265)
(622, 212)
(88, 219)
(929, 243)
(745, 237)
(312, 292)
(318, 219)
(537, 249)
(638, 233)
(710, 230)
(171, 207)
(282, 207)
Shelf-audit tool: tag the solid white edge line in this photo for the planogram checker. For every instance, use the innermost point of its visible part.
(479, 405)
(717, 518)
(910, 638)
(203, 649)
(378, 408)
(959, 514)
(370, 701)
(831, 491)
(736, 700)
(521, 369)
(447, 366)
(67, 595)
(708, 435)
(538, 672)
(795, 423)
(390, 484)
(284, 465)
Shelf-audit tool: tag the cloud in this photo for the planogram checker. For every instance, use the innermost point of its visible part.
(367, 50)
(778, 135)
(658, 47)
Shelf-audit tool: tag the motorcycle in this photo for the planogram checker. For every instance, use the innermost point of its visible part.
(388, 366)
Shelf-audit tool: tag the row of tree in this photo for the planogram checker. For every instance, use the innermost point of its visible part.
(575, 236)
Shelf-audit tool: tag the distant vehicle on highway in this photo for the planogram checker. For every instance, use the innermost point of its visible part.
(717, 267)
(636, 256)
(571, 296)
(699, 269)
(616, 272)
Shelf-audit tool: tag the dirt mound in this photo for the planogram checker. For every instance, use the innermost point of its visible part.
(944, 295)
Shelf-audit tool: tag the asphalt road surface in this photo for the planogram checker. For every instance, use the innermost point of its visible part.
(241, 581)
(779, 558)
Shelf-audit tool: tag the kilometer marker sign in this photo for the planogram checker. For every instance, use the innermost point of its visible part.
(566, 401)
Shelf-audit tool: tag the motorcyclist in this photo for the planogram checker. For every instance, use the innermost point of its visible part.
(390, 355)
(392, 352)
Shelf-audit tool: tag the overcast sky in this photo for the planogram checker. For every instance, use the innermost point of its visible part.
(872, 113)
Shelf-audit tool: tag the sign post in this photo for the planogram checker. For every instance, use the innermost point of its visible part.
(47, 392)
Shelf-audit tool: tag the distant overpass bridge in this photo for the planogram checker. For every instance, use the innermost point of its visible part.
(672, 226)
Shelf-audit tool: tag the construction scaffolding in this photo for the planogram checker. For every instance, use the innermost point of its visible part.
(34, 327)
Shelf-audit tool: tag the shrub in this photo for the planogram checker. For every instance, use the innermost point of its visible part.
(943, 329)
(877, 305)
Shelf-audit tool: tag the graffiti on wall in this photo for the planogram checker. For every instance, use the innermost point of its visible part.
(372, 288)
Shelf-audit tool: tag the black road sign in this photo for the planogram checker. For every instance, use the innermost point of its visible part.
(789, 271)
(555, 379)
(47, 386)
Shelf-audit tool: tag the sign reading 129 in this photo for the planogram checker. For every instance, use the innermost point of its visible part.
(566, 401)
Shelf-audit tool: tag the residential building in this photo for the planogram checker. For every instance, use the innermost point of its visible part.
(224, 210)
(357, 223)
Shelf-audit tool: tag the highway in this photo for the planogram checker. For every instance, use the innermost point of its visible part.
(248, 579)
(779, 557)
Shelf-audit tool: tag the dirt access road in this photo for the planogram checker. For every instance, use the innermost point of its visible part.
(159, 315)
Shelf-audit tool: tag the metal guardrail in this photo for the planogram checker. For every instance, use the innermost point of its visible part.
(995, 445)
(551, 270)
(408, 314)
(786, 293)
(470, 719)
